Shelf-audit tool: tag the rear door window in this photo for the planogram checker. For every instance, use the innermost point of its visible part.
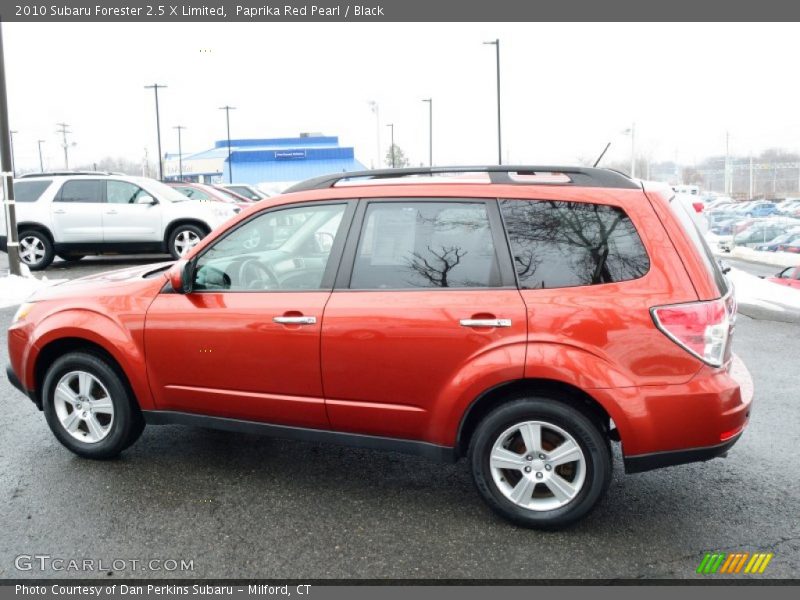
(567, 244)
(418, 245)
(82, 190)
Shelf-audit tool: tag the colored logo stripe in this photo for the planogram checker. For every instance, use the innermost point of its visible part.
(721, 562)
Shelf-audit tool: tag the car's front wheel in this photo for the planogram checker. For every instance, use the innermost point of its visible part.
(183, 238)
(88, 406)
(540, 463)
(35, 249)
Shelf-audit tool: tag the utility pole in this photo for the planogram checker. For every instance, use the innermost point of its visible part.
(41, 162)
(496, 44)
(377, 112)
(727, 163)
(228, 110)
(64, 131)
(155, 87)
(430, 130)
(180, 152)
(750, 197)
(391, 126)
(12, 239)
(633, 150)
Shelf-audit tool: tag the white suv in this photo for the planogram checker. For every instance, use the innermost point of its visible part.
(71, 216)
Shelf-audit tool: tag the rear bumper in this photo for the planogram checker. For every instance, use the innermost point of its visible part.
(669, 425)
(658, 460)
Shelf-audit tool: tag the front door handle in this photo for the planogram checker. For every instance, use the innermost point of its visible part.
(295, 320)
(60, 211)
(111, 212)
(485, 322)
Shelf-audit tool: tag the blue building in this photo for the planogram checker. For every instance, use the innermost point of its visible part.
(274, 162)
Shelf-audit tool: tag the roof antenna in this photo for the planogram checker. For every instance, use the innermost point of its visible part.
(602, 154)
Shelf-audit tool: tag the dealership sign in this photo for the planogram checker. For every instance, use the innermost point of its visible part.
(290, 154)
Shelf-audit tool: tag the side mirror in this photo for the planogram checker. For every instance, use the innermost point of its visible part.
(146, 200)
(181, 276)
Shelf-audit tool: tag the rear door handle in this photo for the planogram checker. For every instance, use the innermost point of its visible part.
(485, 322)
(111, 212)
(295, 320)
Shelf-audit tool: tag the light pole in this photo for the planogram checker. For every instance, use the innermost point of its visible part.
(41, 162)
(180, 152)
(496, 44)
(155, 87)
(12, 243)
(430, 130)
(632, 132)
(391, 126)
(377, 111)
(62, 129)
(228, 110)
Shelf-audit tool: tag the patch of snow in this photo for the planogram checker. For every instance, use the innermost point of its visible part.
(15, 290)
(755, 291)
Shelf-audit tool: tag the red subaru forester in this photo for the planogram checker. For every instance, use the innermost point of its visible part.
(522, 317)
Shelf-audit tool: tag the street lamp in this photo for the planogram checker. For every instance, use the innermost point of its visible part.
(430, 130)
(180, 152)
(228, 110)
(155, 88)
(41, 162)
(632, 132)
(391, 126)
(9, 206)
(13, 169)
(496, 44)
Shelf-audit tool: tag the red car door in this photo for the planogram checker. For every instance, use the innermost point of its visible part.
(426, 320)
(245, 342)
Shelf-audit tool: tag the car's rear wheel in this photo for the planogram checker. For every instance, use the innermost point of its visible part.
(35, 249)
(88, 406)
(540, 463)
(183, 238)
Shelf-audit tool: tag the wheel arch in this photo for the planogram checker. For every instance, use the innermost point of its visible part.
(184, 221)
(25, 225)
(503, 393)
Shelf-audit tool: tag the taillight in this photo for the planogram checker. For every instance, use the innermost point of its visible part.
(701, 328)
(698, 206)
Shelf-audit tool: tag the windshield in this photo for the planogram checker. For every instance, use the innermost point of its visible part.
(163, 191)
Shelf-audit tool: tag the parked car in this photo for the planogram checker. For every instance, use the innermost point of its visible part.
(782, 240)
(761, 209)
(250, 192)
(695, 210)
(792, 247)
(526, 334)
(757, 233)
(71, 216)
(789, 277)
(207, 193)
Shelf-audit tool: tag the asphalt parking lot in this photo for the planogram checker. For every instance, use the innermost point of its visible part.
(246, 506)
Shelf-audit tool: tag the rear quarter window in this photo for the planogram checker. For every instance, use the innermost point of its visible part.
(568, 244)
(30, 191)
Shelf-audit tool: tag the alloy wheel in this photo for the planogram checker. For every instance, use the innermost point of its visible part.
(537, 465)
(185, 241)
(31, 250)
(83, 406)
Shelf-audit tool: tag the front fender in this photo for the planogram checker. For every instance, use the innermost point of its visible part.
(123, 340)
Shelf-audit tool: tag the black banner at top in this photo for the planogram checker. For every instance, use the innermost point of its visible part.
(397, 10)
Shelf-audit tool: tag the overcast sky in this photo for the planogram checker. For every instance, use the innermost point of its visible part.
(567, 88)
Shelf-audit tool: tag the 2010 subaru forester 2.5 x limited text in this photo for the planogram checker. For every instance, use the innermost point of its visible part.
(522, 317)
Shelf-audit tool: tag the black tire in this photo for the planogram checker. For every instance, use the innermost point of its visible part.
(592, 442)
(70, 257)
(178, 231)
(41, 243)
(127, 423)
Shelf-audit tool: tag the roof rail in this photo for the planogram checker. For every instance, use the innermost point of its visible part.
(578, 176)
(65, 173)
